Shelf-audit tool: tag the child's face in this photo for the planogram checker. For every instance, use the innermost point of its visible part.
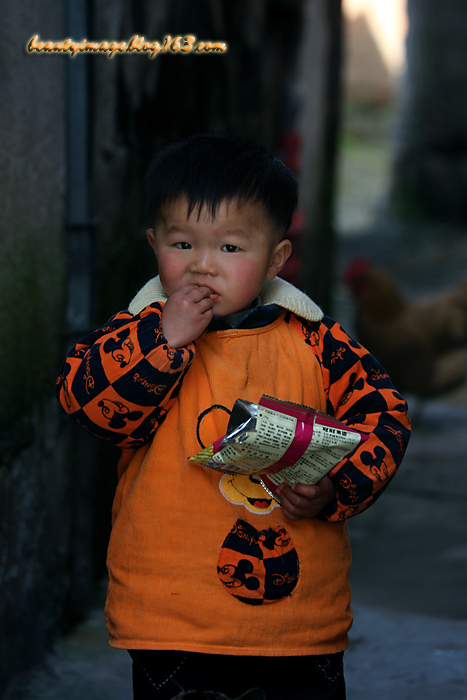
(232, 254)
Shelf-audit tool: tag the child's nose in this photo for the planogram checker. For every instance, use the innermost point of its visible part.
(205, 263)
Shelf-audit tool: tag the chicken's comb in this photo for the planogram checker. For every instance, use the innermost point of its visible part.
(357, 267)
(354, 274)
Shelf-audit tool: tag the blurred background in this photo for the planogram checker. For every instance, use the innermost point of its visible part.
(366, 101)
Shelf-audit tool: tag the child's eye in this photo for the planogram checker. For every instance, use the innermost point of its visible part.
(230, 248)
(183, 245)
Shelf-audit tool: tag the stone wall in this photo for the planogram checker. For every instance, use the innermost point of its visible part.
(429, 180)
(57, 482)
(44, 569)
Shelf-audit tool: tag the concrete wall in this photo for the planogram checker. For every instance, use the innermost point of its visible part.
(429, 175)
(57, 482)
(40, 486)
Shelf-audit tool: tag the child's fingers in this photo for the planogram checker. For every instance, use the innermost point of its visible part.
(306, 490)
(189, 299)
(294, 513)
(323, 489)
(305, 500)
(203, 299)
(194, 293)
(204, 305)
(299, 494)
(294, 505)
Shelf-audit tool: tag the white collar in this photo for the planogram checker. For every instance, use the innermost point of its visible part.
(275, 291)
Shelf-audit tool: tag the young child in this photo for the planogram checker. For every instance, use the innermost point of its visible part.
(213, 584)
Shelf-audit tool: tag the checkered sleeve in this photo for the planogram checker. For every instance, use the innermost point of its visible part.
(120, 381)
(360, 393)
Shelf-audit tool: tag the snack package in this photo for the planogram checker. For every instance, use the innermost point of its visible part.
(279, 442)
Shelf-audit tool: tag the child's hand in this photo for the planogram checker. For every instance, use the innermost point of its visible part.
(305, 500)
(186, 314)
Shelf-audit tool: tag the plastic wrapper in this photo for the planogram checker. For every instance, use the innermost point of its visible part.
(280, 442)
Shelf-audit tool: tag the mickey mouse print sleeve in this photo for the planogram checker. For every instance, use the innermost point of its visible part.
(360, 393)
(120, 381)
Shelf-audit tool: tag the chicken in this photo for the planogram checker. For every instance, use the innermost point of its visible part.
(421, 343)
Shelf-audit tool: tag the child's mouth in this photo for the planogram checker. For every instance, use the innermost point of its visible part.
(214, 295)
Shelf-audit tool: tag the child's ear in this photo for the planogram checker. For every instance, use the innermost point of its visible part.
(279, 257)
(151, 238)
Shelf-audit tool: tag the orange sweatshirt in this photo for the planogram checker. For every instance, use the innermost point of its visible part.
(202, 561)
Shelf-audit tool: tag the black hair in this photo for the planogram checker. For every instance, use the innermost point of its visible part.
(208, 169)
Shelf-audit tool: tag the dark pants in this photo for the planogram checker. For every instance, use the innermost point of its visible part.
(162, 674)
